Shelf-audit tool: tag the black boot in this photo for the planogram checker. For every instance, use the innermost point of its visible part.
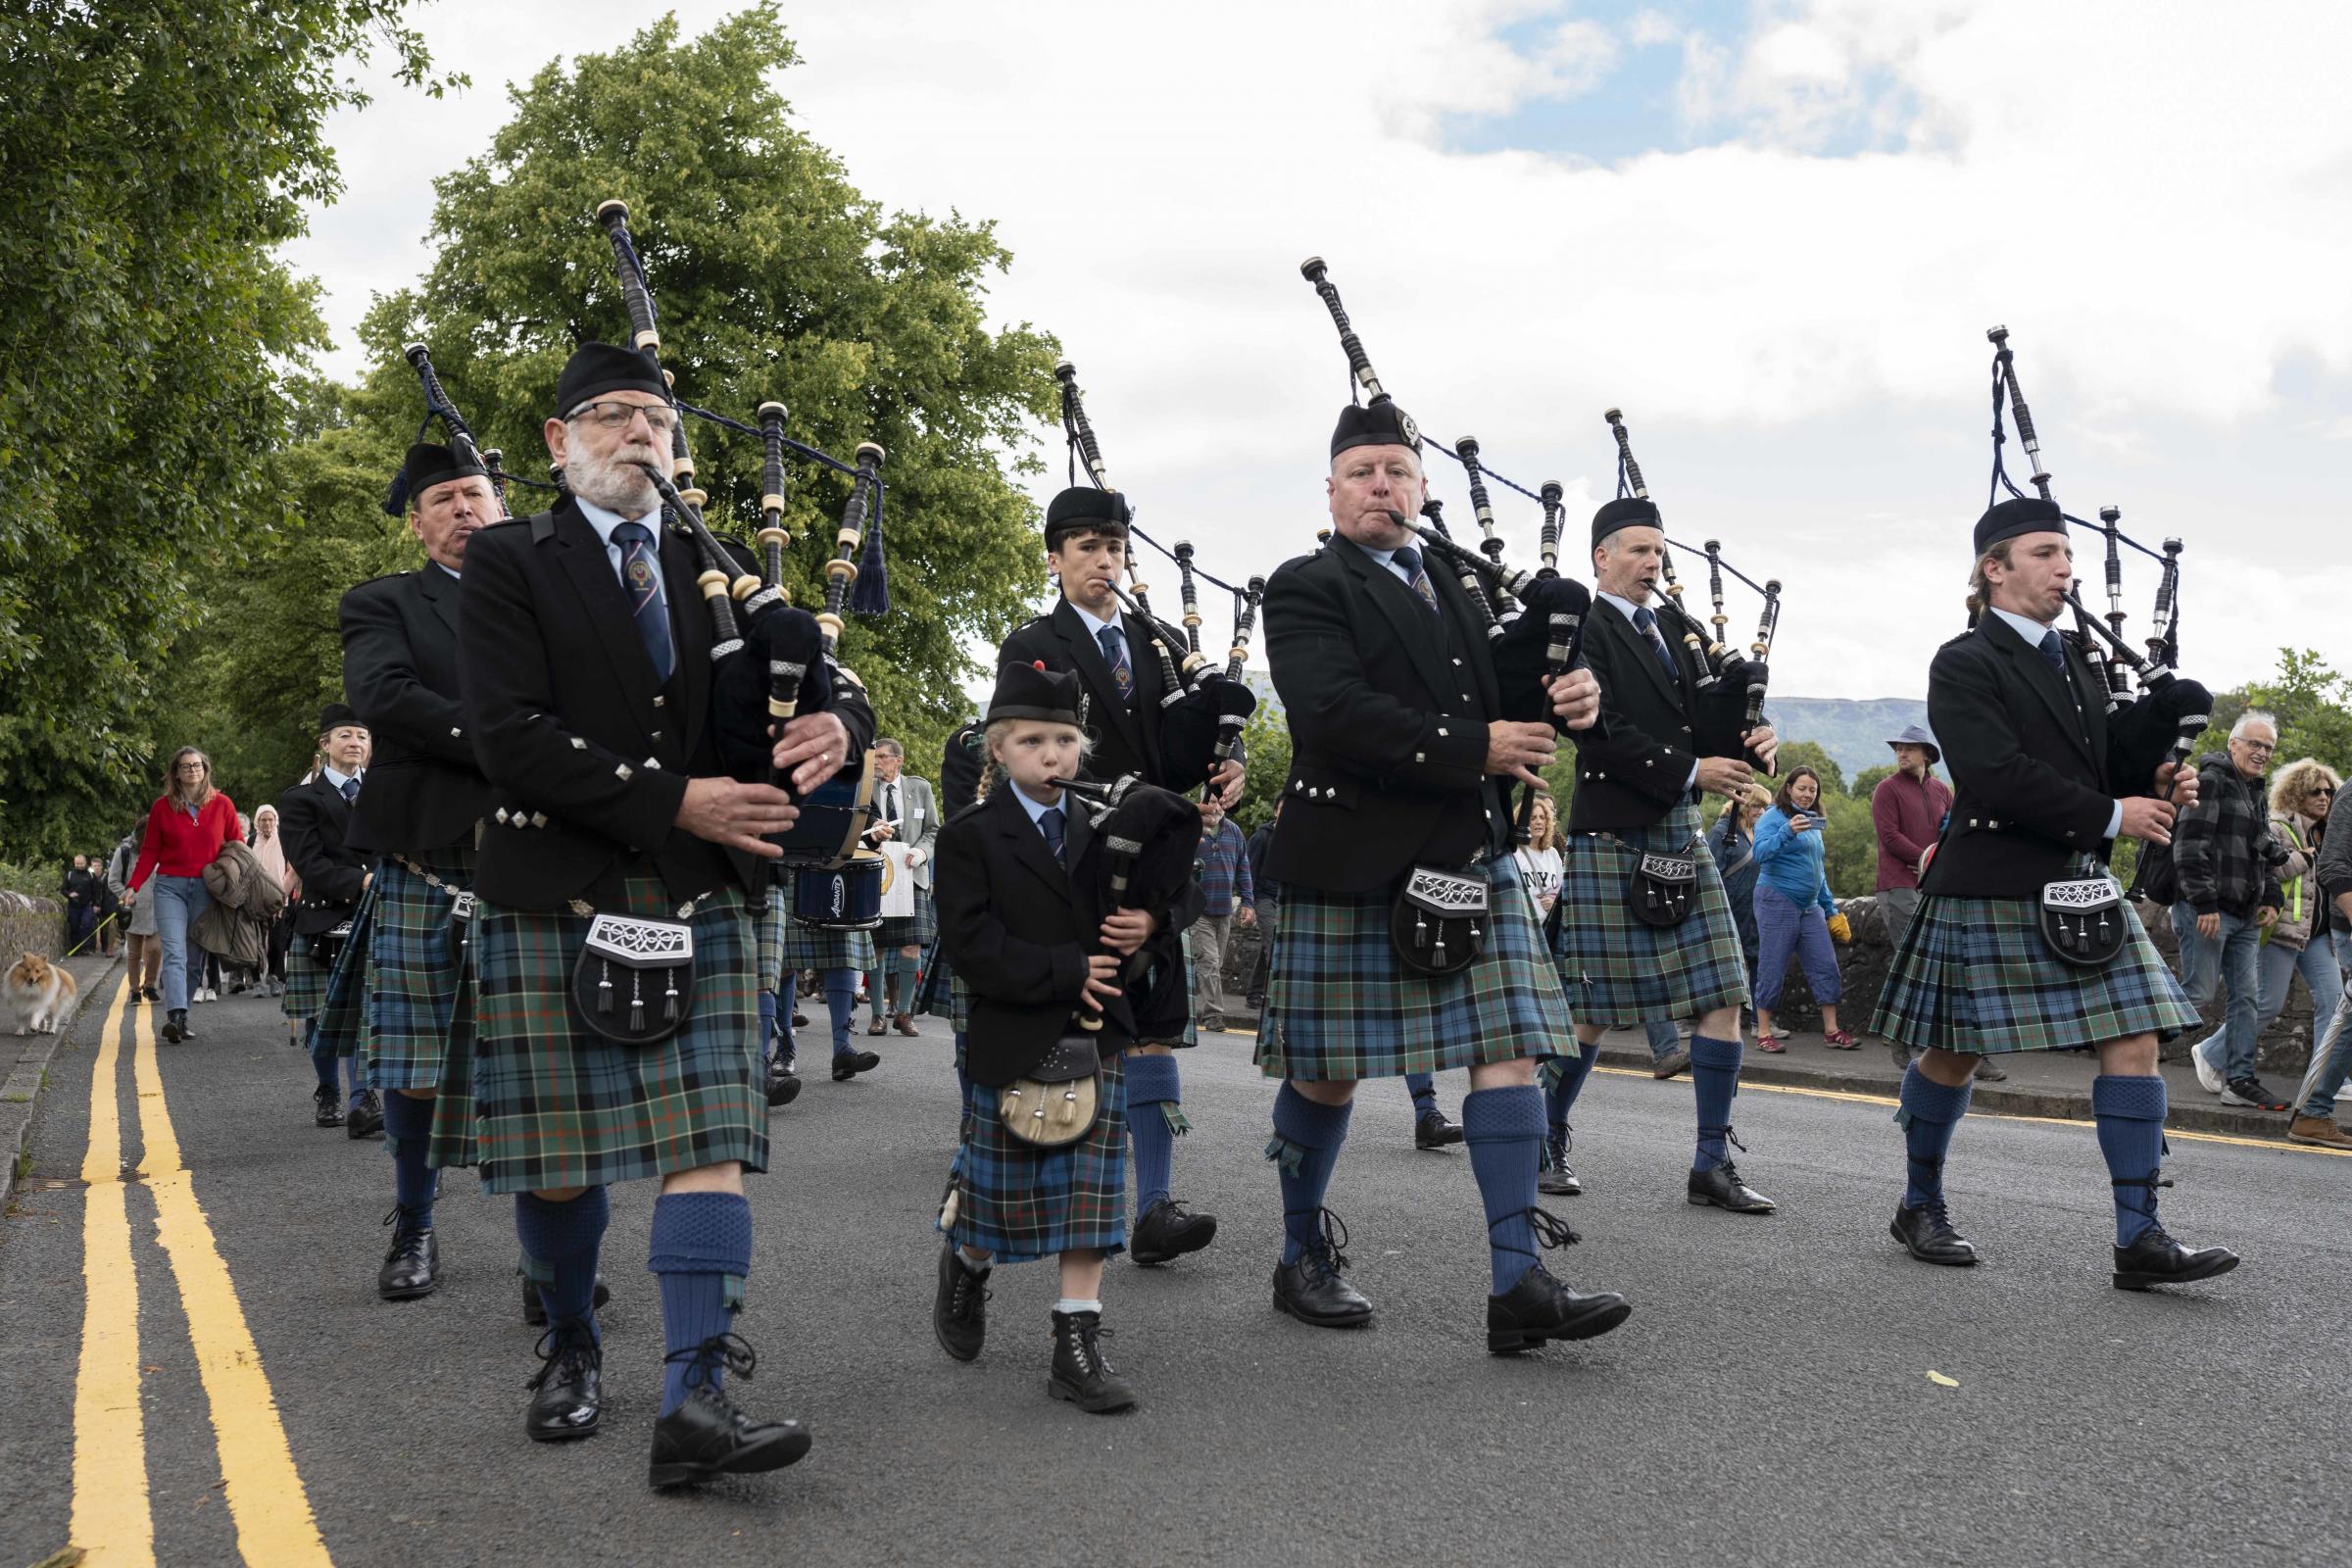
(1080, 1374)
(1929, 1232)
(327, 1101)
(1167, 1231)
(1722, 1186)
(1554, 1177)
(535, 1310)
(568, 1397)
(848, 1065)
(412, 1265)
(959, 1309)
(783, 1087)
(708, 1437)
(367, 1115)
(1540, 1306)
(1434, 1131)
(176, 1026)
(1310, 1288)
(2155, 1258)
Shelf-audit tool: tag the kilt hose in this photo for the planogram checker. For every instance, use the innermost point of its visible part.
(558, 1105)
(1019, 1201)
(917, 930)
(1342, 1005)
(1972, 975)
(1617, 970)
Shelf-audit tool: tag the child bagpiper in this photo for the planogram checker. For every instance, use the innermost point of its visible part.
(1020, 917)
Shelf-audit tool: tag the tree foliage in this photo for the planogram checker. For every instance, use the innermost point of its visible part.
(156, 156)
(775, 279)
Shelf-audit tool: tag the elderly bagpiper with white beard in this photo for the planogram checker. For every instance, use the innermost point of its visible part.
(425, 800)
(1661, 743)
(2044, 782)
(615, 954)
(1395, 812)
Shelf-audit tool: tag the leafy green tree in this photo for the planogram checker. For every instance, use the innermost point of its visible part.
(2313, 705)
(774, 278)
(1869, 779)
(1267, 739)
(158, 155)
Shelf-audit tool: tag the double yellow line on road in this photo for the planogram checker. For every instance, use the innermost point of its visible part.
(111, 1519)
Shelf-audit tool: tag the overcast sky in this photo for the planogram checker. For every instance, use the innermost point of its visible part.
(1773, 233)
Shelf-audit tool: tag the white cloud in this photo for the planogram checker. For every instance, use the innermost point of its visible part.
(1795, 338)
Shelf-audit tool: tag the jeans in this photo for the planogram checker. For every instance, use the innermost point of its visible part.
(1664, 1038)
(2200, 955)
(2240, 951)
(2331, 1049)
(2278, 966)
(1269, 915)
(1210, 934)
(1782, 928)
(179, 902)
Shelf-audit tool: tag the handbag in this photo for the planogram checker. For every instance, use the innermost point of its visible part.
(1438, 923)
(1056, 1103)
(1664, 888)
(2082, 920)
(634, 980)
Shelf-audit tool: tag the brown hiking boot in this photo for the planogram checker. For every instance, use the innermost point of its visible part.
(2318, 1130)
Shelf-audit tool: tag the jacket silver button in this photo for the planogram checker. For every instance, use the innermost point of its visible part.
(657, 735)
(659, 699)
(578, 744)
(538, 819)
(620, 771)
(502, 817)
(454, 732)
(1443, 731)
(1420, 757)
(1972, 821)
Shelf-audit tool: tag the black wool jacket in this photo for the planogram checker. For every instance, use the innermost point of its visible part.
(1633, 767)
(424, 790)
(314, 822)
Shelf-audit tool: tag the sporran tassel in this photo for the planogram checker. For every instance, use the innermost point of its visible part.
(636, 999)
(604, 985)
(670, 999)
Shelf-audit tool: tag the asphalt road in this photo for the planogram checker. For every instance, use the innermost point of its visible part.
(1770, 1401)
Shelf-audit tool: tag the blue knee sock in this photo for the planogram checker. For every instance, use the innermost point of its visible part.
(1505, 1131)
(767, 1024)
(1151, 1085)
(322, 1062)
(1306, 1145)
(1566, 1077)
(788, 1044)
(877, 987)
(702, 1252)
(408, 1128)
(1423, 1088)
(909, 972)
(1928, 1113)
(841, 1001)
(1715, 1076)
(2131, 1118)
(561, 1243)
(351, 1073)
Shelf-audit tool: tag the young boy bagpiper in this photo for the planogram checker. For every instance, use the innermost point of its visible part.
(1022, 916)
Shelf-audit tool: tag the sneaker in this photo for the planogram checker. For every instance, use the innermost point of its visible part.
(2209, 1077)
(2249, 1091)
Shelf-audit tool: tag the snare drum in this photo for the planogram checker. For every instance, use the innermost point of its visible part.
(833, 822)
(841, 897)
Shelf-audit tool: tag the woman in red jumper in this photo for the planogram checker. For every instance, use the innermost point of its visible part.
(185, 829)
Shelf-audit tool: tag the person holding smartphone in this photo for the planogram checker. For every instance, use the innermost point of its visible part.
(1795, 912)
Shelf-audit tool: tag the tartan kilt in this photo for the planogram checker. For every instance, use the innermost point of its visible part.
(419, 1008)
(1972, 975)
(939, 997)
(769, 924)
(915, 930)
(1617, 970)
(1021, 1202)
(810, 946)
(341, 1011)
(1342, 1005)
(556, 1105)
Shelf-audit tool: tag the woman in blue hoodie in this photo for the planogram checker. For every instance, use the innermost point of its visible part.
(1794, 910)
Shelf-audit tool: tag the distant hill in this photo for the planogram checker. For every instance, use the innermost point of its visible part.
(1853, 730)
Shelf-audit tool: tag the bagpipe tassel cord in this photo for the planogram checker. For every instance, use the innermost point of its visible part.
(870, 595)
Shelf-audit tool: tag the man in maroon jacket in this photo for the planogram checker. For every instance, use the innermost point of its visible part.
(1907, 812)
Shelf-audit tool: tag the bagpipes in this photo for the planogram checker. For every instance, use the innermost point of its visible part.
(1533, 622)
(2163, 721)
(779, 663)
(461, 439)
(1202, 710)
(1724, 676)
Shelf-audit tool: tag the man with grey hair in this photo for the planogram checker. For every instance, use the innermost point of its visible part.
(2226, 862)
(905, 811)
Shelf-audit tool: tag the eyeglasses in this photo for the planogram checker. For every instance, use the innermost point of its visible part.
(2258, 748)
(616, 416)
(191, 768)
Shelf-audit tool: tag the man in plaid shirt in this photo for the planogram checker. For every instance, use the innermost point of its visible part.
(1226, 886)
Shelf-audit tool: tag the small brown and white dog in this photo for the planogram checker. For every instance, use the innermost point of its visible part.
(35, 993)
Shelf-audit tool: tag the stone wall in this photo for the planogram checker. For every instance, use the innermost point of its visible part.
(30, 924)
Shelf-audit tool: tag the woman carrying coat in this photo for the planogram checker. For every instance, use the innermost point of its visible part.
(1795, 912)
